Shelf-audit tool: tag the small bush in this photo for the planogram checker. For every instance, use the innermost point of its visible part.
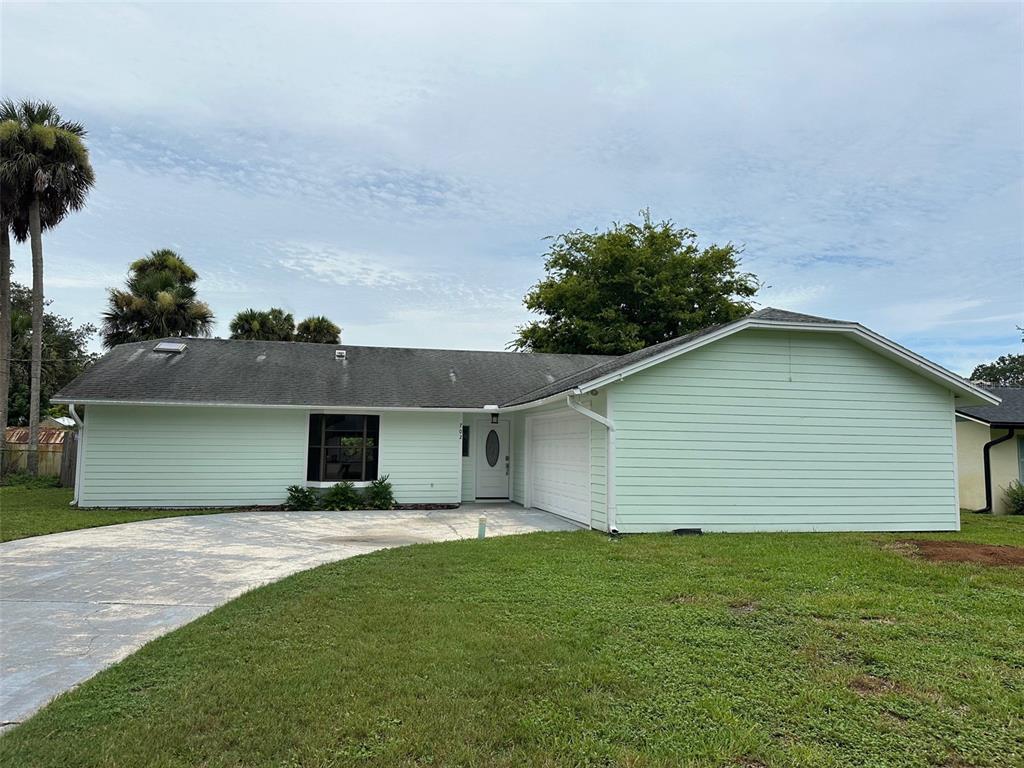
(25, 480)
(342, 497)
(1015, 498)
(302, 499)
(379, 494)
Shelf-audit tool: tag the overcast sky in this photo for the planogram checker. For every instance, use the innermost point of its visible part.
(397, 167)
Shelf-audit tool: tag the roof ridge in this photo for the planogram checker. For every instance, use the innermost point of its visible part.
(206, 339)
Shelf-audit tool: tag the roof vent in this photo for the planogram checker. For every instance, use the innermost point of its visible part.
(170, 347)
(451, 375)
(340, 354)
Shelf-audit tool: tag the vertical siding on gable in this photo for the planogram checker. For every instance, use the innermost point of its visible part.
(772, 430)
(518, 431)
(421, 453)
(153, 456)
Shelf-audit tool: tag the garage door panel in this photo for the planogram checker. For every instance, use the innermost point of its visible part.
(560, 466)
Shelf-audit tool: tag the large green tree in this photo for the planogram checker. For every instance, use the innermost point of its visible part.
(318, 330)
(65, 354)
(272, 324)
(159, 300)
(44, 173)
(1004, 371)
(631, 286)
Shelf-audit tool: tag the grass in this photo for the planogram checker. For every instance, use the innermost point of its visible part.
(38, 508)
(571, 649)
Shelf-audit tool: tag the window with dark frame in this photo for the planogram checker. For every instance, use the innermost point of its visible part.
(465, 439)
(342, 447)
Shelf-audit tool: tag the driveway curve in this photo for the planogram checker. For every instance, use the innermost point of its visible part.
(73, 603)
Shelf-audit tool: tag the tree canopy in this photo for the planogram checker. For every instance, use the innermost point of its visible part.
(42, 156)
(1004, 371)
(65, 354)
(275, 324)
(159, 300)
(631, 286)
(272, 324)
(318, 330)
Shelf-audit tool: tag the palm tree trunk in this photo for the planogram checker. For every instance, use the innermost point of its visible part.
(5, 331)
(36, 234)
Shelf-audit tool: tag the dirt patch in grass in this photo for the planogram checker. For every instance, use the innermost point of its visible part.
(742, 607)
(682, 600)
(967, 552)
(870, 685)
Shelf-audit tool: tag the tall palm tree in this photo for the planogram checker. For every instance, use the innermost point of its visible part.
(318, 330)
(159, 300)
(46, 173)
(273, 324)
(5, 324)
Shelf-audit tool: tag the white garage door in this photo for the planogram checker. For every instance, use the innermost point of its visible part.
(560, 465)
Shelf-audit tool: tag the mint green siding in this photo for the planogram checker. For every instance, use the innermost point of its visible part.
(195, 457)
(772, 430)
(421, 453)
(190, 457)
(598, 465)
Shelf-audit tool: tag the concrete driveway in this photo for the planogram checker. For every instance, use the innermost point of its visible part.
(73, 603)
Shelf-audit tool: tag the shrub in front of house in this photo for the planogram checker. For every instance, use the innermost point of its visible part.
(379, 494)
(1015, 498)
(342, 497)
(302, 499)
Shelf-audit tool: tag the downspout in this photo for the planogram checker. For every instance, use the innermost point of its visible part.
(609, 456)
(986, 452)
(79, 450)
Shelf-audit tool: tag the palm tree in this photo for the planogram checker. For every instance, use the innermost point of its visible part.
(273, 324)
(45, 173)
(5, 325)
(158, 300)
(318, 330)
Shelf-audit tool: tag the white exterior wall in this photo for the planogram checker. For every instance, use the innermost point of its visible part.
(776, 430)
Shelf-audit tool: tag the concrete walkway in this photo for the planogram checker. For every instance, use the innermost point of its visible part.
(73, 603)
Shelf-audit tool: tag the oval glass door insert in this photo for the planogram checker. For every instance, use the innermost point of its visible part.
(492, 448)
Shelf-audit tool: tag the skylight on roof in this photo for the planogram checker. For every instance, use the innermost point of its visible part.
(171, 347)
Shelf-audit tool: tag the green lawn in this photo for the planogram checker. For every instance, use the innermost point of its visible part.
(566, 649)
(32, 511)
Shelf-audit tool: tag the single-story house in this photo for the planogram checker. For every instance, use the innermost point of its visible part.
(778, 421)
(990, 449)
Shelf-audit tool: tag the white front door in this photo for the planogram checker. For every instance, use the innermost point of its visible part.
(493, 455)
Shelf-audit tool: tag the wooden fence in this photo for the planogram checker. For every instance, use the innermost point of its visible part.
(57, 453)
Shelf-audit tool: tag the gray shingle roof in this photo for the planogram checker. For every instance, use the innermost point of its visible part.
(1010, 411)
(292, 373)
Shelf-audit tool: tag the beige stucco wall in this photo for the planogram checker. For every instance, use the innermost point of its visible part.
(970, 442)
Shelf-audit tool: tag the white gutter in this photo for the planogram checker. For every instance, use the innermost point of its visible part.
(316, 408)
(610, 505)
(79, 451)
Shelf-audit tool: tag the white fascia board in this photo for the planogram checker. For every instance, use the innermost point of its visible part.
(318, 408)
(975, 419)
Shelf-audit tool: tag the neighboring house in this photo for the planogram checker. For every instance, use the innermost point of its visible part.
(990, 449)
(779, 421)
